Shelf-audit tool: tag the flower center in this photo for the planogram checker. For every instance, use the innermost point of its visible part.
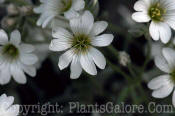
(66, 5)
(81, 43)
(172, 74)
(156, 12)
(10, 51)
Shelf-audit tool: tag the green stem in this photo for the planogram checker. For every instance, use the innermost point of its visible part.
(118, 70)
(148, 56)
(131, 70)
(114, 51)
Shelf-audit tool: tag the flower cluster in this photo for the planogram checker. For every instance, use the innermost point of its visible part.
(79, 40)
(75, 32)
(160, 13)
(162, 16)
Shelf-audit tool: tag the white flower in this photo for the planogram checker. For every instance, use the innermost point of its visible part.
(52, 8)
(79, 44)
(15, 58)
(162, 16)
(12, 9)
(163, 85)
(6, 107)
(124, 58)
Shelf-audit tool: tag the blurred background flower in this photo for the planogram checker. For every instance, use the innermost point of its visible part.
(130, 60)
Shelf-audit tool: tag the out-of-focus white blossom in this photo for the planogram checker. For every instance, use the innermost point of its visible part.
(38, 37)
(163, 85)
(52, 8)
(6, 106)
(79, 42)
(156, 49)
(1, 1)
(7, 22)
(124, 58)
(12, 9)
(15, 58)
(162, 15)
(126, 13)
(24, 10)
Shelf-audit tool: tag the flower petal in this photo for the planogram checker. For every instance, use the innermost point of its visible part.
(141, 17)
(3, 37)
(13, 110)
(169, 18)
(42, 18)
(87, 64)
(15, 37)
(30, 70)
(78, 4)
(173, 99)
(102, 40)
(98, 58)
(48, 19)
(164, 91)
(39, 9)
(140, 6)
(76, 68)
(3, 98)
(6, 102)
(28, 59)
(158, 82)
(165, 32)
(162, 64)
(82, 24)
(61, 33)
(168, 4)
(71, 14)
(154, 31)
(18, 74)
(63, 41)
(169, 55)
(99, 27)
(65, 59)
(26, 48)
(171, 23)
(59, 45)
(5, 76)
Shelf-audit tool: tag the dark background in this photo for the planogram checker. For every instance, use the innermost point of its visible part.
(55, 86)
